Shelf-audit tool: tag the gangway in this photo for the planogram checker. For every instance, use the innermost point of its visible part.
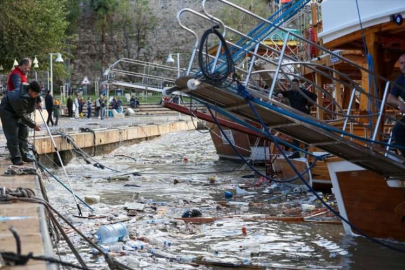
(141, 75)
(370, 151)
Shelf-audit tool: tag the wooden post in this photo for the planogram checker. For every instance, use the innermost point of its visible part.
(319, 101)
(364, 84)
(338, 91)
(314, 11)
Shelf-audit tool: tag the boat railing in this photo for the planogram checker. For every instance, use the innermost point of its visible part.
(314, 73)
(144, 75)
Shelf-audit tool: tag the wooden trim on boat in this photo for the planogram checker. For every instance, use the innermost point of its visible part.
(367, 201)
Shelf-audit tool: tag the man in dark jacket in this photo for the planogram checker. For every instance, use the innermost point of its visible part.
(14, 110)
(49, 107)
(69, 105)
(300, 102)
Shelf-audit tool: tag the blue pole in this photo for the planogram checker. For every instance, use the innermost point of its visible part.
(60, 182)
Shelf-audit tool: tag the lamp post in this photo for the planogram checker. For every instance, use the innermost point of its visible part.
(14, 64)
(170, 61)
(58, 60)
(35, 62)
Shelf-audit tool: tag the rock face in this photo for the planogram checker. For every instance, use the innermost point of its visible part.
(165, 37)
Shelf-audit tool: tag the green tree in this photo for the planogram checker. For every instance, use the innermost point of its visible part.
(103, 10)
(242, 21)
(31, 28)
(135, 21)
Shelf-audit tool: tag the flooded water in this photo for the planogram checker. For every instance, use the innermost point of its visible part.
(189, 159)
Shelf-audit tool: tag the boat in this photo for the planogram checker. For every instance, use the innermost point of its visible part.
(366, 172)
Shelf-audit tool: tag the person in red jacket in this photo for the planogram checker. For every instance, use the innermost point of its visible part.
(19, 74)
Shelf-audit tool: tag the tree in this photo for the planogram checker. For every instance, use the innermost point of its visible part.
(241, 21)
(103, 10)
(31, 28)
(135, 20)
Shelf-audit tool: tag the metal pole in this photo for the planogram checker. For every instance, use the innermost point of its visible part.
(61, 163)
(349, 109)
(178, 65)
(47, 76)
(273, 83)
(51, 78)
(381, 110)
(252, 62)
(388, 146)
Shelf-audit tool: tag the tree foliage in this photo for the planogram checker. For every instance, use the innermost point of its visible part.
(31, 28)
(103, 9)
(241, 21)
(135, 20)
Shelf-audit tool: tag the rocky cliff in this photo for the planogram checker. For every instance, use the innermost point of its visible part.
(166, 36)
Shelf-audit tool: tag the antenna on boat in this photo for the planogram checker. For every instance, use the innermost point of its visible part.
(61, 163)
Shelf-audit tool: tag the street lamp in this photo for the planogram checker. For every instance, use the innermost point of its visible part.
(58, 60)
(14, 64)
(171, 61)
(35, 62)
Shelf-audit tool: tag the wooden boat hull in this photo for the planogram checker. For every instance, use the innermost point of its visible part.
(368, 201)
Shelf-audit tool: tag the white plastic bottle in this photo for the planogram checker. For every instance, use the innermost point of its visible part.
(108, 234)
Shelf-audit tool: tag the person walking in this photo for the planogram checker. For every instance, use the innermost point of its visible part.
(89, 108)
(77, 106)
(14, 110)
(69, 105)
(120, 106)
(49, 107)
(81, 105)
(103, 105)
(19, 75)
(97, 106)
(56, 110)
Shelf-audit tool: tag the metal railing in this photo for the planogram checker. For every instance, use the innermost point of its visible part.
(290, 66)
(142, 75)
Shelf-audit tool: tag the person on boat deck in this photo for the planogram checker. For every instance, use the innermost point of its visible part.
(299, 102)
(398, 132)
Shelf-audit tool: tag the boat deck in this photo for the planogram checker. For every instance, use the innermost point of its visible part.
(276, 117)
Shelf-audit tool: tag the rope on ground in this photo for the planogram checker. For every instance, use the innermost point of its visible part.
(14, 259)
(20, 170)
(112, 263)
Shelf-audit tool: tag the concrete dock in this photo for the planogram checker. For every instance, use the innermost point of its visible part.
(28, 219)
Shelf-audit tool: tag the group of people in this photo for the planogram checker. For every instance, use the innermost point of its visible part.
(78, 103)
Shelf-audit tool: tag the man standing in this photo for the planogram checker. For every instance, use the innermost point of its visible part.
(97, 107)
(49, 107)
(89, 103)
(14, 110)
(398, 132)
(19, 75)
(69, 105)
(299, 102)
